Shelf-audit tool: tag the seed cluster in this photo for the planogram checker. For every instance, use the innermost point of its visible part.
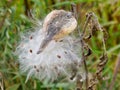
(59, 59)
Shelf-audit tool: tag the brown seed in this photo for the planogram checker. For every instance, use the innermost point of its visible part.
(58, 74)
(61, 41)
(35, 66)
(31, 37)
(65, 52)
(56, 68)
(30, 51)
(37, 70)
(58, 56)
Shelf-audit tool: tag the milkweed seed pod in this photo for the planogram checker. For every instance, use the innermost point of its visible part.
(59, 58)
(57, 24)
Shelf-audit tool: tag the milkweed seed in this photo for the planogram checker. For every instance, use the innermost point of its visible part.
(31, 37)
(30, 51)
(65, 52)
(35, 66)
(58, 56)
(37, 70)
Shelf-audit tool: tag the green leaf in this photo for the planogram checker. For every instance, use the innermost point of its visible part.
(13, 87)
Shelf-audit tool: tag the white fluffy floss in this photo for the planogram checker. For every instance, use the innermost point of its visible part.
(59, 59)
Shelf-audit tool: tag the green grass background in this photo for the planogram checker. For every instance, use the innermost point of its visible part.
(14, 21)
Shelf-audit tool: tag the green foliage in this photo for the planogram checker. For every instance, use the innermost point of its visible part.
(14, 21)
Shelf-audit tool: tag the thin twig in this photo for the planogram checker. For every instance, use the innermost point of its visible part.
(117, 67)
(95, 26)
(3, 20)
(74, 11)
(82, 45)
(27, 8)
(1, 82)
(82, 41)
(88, 17)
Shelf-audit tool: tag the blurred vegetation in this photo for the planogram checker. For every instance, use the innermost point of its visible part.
(15, 18)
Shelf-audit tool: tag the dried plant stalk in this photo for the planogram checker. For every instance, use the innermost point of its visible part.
(1, 82)
(117, 67)
(93, 23)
